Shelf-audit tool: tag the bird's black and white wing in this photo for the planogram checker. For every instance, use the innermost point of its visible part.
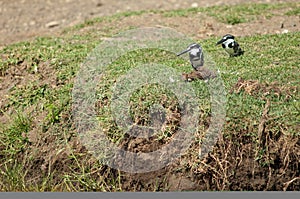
(237, 49)
(197, 58)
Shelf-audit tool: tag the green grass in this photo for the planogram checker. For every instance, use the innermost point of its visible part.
(243, 13)
(236, 14)
(227, 14)
(295, 11)
(270, 62)
(13, 136)
(268, 59)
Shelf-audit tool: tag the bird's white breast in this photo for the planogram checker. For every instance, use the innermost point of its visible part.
(227, 42)
(195, 51)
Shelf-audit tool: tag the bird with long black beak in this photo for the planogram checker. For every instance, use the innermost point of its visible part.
(230, 45)
(197, 61)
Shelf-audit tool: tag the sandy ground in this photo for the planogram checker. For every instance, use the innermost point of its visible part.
(24, 19)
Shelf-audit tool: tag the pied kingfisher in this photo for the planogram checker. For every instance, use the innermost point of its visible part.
(197, 61)
(196, 55)
(230, 45)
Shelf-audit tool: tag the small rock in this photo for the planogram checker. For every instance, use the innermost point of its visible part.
(194, 5)
(181, 183)
(32, 23)
(177, 5)
(99, 4)
(52, 24)
(285, 31)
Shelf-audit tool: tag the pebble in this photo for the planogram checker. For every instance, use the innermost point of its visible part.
(32, 23)
(52, 24)
(194, 5)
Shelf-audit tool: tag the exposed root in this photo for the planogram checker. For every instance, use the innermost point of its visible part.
(286, 185)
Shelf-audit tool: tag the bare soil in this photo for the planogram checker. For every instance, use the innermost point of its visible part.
(25, 19)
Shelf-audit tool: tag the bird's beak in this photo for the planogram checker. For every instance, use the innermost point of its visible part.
(185, 51)
(221, 41)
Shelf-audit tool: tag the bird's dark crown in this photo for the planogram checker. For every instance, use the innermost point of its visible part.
(225, 38)
(193, 46)
(228, 36)
(190, 47)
